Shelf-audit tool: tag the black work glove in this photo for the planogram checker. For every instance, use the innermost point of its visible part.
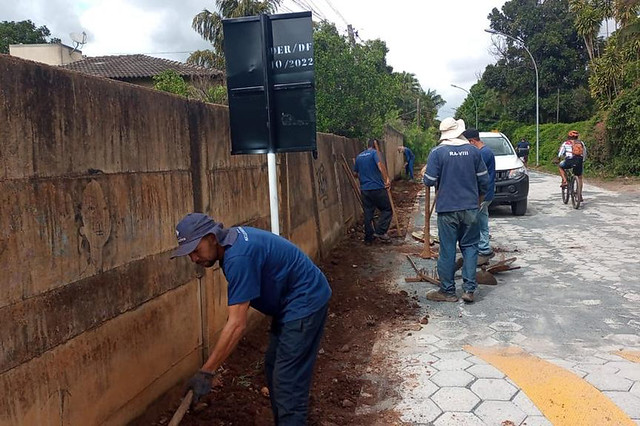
(200, 384)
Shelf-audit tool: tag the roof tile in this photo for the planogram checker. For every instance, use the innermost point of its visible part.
(135, 66)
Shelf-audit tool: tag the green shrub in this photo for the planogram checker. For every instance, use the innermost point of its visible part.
(623, 129)
(421, 141)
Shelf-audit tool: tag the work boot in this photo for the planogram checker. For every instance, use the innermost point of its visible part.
(467, 297)
(484, 258)
(383, 237)
(438, 296)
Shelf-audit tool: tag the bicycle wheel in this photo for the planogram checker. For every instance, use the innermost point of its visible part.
(575, 195)
(565, 194)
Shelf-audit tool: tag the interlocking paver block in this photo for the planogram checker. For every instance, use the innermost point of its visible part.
(485, 372)
(427, 339)
(455, 399)
(458, 419)
(419, 411)
(562, 363)
(628, 402)
(475, 360)
(452, 354)
(609, 382)
(596, 369)
(523, 402)
(588, 359)
(451, 364)
(536, 421)
(493, 389)
(505, 326)
(509, 337)
(452, 378)
(497, 412)
(632, 373)
(419, 387)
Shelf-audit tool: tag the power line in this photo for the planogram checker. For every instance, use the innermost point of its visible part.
(324, 15)
(304, 6)
(336, 11)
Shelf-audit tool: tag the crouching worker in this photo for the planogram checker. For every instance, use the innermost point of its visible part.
(272, 275)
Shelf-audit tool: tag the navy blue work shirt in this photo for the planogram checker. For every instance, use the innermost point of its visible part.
(490, 161)
(367, 169)
(274, 275)
(408, 154)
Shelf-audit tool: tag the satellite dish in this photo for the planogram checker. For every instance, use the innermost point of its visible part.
(79, 40)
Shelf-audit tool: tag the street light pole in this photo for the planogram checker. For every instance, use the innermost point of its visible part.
(474, 101)
(535, 67)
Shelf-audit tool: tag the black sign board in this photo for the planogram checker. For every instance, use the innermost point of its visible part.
(270, 82)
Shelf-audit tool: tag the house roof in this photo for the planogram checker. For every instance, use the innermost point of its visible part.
(135, 66)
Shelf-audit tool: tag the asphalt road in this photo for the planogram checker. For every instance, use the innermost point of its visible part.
(555, 342)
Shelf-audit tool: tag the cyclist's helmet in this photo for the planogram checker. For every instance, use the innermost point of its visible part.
(573, 134)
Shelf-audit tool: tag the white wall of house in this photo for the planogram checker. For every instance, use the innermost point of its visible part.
(50, 54)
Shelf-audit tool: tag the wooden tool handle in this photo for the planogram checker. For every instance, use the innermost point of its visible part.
(182, 409)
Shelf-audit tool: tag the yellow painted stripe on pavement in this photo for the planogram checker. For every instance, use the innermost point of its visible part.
(563, 397)
(633, 356)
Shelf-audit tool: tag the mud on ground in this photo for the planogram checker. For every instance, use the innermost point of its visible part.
(349, 372)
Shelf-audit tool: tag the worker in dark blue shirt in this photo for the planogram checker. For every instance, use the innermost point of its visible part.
(272, 275)
(523, 150)
(456, 168)
(374, 182)
(484, 248)
(408, 160)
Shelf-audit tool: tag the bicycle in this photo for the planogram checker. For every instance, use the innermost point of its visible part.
(572, 189)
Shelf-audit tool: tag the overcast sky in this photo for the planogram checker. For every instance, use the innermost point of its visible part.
(441, 41)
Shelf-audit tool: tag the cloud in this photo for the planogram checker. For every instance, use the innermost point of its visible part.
(442, 42)
(117, 26)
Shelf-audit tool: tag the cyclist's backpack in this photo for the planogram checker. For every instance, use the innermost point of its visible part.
(578, 148)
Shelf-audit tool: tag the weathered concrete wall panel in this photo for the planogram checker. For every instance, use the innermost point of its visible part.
(330, 213)
(89, 379)
(391, 141)
(60, 122)
(57, 231)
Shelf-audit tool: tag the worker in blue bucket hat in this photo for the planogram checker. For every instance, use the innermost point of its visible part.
(272, 275)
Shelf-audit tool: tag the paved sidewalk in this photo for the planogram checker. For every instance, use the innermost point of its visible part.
(574, 305)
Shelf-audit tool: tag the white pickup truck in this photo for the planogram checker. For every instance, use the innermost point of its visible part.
(512, 180)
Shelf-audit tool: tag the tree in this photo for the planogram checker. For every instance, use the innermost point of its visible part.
(588, 18)
(172, 82)
(209, 25)
(355, 90)
(547, 29)
(414, 104)
(23, 32)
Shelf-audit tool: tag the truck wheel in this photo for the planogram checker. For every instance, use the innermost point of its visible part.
(519, 208)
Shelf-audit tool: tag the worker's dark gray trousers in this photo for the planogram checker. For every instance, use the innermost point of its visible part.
(371, 200)
(293, 347)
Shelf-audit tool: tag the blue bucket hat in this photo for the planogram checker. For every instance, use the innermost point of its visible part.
(193, 227)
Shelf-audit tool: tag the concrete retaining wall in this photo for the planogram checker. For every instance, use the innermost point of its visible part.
(95, 321)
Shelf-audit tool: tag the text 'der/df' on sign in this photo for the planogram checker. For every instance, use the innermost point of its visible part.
(271, 83)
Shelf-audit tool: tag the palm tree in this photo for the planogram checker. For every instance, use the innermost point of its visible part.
(626, 11)
(587, 18)
(209, 25)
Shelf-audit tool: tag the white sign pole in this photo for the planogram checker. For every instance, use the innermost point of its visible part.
(273, 192)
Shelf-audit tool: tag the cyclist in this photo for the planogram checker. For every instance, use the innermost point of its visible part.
(574, 152)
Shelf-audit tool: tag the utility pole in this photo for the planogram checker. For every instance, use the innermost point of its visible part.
(352, 36)
(558, 108)
(418, 112)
